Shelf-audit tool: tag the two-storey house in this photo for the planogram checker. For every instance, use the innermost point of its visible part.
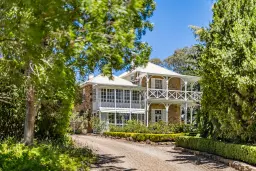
(147, 94)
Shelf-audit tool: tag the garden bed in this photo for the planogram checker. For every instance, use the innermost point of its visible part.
(44, 156)
(144, 137)
(246, 153)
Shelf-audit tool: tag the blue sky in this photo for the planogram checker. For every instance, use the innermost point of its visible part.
(171, 24)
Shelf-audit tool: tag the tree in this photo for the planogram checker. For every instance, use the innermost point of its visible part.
(55, 39)
(157, 61)
(184, 60)
(228, 71)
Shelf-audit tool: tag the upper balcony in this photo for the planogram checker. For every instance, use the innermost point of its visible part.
(174, 94)
(173, 88)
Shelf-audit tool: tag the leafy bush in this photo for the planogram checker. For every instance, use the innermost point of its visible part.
(154, 128)
(131, 126)
(246, 153)
(159, 128)
(144, 137)
(18, 157)
(98, 126)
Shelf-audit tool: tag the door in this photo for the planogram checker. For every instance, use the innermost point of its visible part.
(157, 115)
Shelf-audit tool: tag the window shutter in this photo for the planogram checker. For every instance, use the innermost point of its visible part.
(153, 80)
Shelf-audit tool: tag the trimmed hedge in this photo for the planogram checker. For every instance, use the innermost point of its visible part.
(246, 153)
(144, 137)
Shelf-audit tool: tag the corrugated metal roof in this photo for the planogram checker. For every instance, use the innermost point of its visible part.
(104, 80)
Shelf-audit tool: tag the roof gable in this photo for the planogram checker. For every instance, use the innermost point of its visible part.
(152, 69)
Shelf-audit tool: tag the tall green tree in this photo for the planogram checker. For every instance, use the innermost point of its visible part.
(184, 60)
(54, 39)
(228, 65)
(157, 61)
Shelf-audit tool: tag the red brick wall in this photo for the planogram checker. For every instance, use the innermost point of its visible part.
(86, 105)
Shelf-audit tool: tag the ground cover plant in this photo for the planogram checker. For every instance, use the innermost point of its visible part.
(44, 156)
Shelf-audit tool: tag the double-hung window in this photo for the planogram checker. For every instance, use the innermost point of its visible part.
(158, 84)
(127, 96)
(135, 95)
(103, 95)
(110, 95)
(119, 96)
(158, 115)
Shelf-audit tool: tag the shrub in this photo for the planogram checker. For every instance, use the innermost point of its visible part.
(159, 128)
(97, 125)
(16, 157)
(154, 128)
(131, 126)
(246, 153)
(144, 137)
(177, 128)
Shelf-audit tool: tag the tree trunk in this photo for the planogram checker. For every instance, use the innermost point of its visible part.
(30, 111)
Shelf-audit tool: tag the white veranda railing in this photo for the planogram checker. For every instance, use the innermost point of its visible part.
(175, 94)
(136, 104)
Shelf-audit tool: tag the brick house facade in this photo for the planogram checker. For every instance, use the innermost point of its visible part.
(147, 94)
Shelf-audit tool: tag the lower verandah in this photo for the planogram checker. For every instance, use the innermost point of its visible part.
(175, 115)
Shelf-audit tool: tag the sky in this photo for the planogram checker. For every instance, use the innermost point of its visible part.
(172, 19)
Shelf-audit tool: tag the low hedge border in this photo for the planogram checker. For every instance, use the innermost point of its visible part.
(144, 137)
(245, 153)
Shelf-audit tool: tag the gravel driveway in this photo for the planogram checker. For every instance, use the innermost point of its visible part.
(124, 155)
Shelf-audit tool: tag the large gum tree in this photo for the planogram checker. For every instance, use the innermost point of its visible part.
(69, 36)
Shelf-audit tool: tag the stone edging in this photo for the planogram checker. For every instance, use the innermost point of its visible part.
(232, 163)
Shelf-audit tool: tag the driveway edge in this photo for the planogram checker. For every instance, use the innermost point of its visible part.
(232, 163)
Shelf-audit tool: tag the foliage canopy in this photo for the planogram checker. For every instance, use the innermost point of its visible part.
(228, 65)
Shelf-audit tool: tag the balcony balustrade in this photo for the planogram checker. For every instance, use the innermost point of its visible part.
(174, 94)
(110, 103)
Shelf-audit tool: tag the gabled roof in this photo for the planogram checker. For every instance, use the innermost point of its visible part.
(152, 69)
(104, 80)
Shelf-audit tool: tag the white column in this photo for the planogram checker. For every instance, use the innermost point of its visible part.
(186, 112)
(147, 85)
(147, 114)
(115, 106)
(140, 98)
(99, 97)
(166, 109)
(115, 98)
(130, 116)
(186, 104)
(167, 88)
(191, 115)
(186, 84)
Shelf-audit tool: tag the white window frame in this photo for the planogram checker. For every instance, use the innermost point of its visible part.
(119, 95)
(103, 95)
(158, 116)
(126, 96)
(161, 80)
(135, 95)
